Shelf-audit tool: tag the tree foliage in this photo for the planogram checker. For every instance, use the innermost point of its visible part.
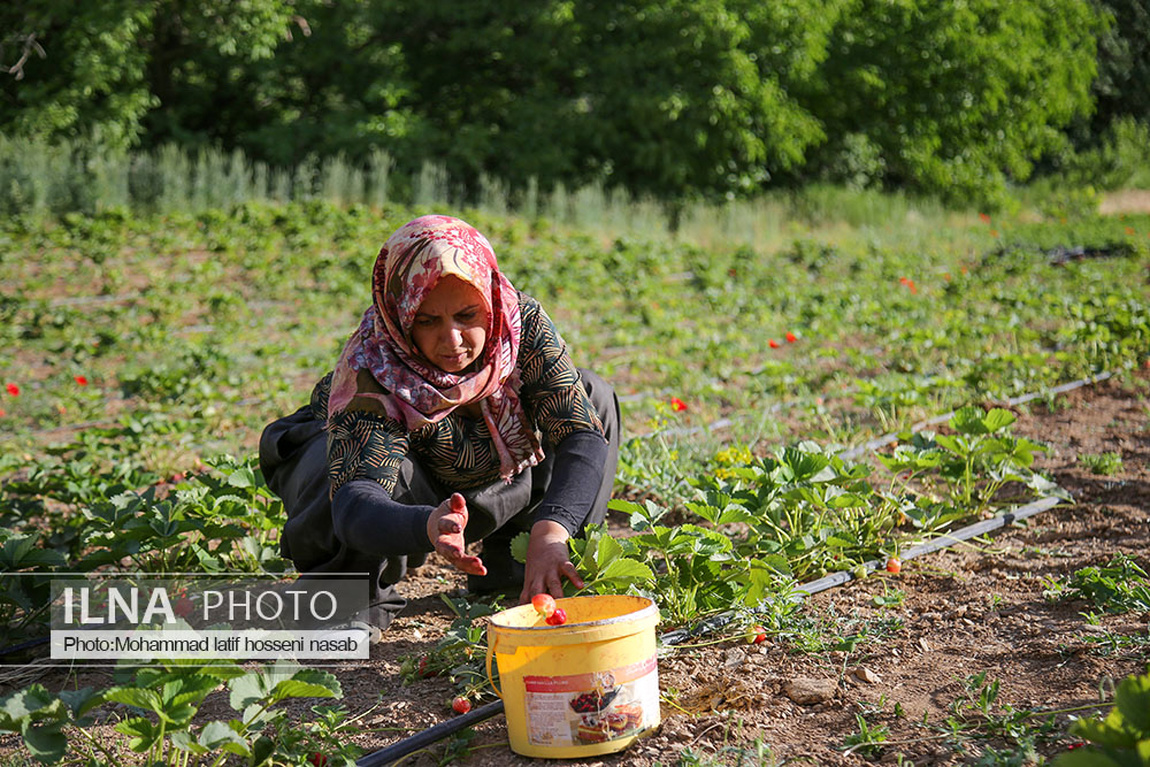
(107, 66)
(952, 98)
(1122, 88)
(670, 98)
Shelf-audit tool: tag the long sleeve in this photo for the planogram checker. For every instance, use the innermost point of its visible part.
(366, 518)
(575, 480)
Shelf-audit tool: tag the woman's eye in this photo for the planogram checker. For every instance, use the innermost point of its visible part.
(424, 322)
(465, 316)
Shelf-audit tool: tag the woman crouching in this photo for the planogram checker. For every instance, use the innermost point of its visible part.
(454, 414)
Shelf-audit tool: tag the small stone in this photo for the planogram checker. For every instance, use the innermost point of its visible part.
(864, 674)
(925, 645)
(734, 658)
(807, 691)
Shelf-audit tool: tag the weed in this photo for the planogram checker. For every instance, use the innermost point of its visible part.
(1119, 586)
(889, 598)
(1105, 464)
(869, 739)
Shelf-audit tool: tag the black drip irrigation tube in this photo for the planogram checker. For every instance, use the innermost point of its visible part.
(432, 734)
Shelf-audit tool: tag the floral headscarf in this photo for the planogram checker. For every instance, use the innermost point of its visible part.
(410, 264)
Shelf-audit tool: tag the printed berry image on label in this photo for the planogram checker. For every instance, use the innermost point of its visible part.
(581, 709)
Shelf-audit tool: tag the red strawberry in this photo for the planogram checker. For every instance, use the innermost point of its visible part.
(557, 618)
(544, 604)
(893, 565)
(461, 705)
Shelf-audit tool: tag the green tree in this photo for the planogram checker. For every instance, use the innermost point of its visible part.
(338, 86)
(664, 97)
(692, 96)
(952, 98)
(95, 69)
(1122, 88)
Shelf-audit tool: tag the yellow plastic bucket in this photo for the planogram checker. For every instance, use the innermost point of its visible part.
(588, 687)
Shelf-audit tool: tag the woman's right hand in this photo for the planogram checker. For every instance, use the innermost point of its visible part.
(445, 531)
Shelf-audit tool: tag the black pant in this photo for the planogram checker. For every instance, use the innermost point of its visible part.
(293, 459)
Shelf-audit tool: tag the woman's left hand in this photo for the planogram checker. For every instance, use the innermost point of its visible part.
(548, 562)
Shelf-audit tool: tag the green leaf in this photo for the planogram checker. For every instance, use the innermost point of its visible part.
(219, 735)
(243, 477)
(968, 420)
(148, 700)
(141, 732)
(952, 444)
(1108, 732)
(81, 701)
(519, 547)
(263, 749)
(1087, 756)
(626, 570)
(45, 741)
(624, 506)
(1133, 702)
(246, 690)
(21, 704)
(304, 688)
(184, 741)
(607, 551)
(996, 419)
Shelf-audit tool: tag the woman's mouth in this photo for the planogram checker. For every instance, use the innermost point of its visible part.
(454, 358)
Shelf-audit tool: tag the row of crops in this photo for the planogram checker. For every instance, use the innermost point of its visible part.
(147, 353)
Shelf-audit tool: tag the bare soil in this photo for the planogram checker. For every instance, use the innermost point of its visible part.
(971, 609)
(966, 610)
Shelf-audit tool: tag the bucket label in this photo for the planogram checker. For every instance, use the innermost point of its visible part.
(597, 707)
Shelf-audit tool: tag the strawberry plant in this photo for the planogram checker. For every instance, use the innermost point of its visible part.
(1118, 586)
(163, 700)
(459, 654)
(1121, 738)
(971, 466)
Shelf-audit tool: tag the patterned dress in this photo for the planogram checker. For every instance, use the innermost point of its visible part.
(364, 443)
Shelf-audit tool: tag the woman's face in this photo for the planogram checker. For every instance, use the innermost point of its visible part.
(450, 327)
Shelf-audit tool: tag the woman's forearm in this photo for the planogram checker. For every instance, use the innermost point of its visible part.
(366, 518)
(575, 480)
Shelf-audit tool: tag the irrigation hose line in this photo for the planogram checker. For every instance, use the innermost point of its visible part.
(430, 735)
(943, 541)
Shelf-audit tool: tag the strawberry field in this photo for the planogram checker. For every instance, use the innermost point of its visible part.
(821, 400)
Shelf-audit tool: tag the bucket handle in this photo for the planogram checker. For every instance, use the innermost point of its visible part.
(490, 655)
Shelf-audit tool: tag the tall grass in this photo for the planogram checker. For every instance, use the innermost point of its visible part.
(39, 180)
